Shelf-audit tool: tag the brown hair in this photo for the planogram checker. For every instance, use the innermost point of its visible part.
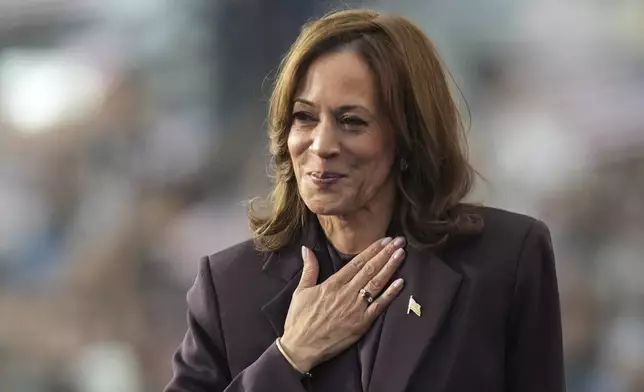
(415, 94)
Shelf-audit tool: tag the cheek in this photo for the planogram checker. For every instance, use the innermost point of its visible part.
(296, 147)
(377, 163)
(377, 156)
(380, 170)
(293, 143)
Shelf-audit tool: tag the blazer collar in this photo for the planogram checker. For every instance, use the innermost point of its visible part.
(405, 337)
(286, 265)
(287, 262)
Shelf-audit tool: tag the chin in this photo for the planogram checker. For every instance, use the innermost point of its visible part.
(327, 206)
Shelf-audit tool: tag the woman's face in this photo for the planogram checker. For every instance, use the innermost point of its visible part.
(340, 144)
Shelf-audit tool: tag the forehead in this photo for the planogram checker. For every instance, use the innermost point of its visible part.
(339, 78)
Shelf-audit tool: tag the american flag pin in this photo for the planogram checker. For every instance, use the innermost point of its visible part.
(413, 306)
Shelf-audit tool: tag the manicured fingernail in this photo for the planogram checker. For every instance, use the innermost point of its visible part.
(304, 253)
(398, 283)
(398, 254)
(385, 241)
(399, 242)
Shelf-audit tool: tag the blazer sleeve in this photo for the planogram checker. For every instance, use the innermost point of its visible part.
(534, 358)
(200, 363)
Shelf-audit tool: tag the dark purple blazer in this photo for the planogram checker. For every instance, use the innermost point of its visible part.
(490, 319)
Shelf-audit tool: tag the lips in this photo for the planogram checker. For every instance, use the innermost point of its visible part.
(325, 178)
(326, 175)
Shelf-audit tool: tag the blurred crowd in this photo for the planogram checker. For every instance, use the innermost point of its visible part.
(133, 132)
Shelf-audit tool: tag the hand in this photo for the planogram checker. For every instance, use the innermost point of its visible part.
(323, 320)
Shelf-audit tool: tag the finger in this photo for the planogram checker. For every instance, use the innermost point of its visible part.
(381, 303)
(373, 266)
(378, 282)
(310, 271)
(346, 273)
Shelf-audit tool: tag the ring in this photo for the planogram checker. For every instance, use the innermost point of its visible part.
(366, 295)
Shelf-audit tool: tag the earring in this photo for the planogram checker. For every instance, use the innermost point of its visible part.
(403, 164)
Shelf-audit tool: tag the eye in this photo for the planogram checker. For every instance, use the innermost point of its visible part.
(353, 122)
(303, 117)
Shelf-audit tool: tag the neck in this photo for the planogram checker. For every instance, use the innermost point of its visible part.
(351, 234)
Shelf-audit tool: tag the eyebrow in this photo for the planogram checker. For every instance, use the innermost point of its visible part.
(341, 109)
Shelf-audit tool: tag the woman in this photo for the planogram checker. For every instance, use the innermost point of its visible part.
(369, 273)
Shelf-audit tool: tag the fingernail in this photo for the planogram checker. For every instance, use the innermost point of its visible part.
(398, 283)
(304, 253)
(385, 241)
(399, 242)
(398, 254)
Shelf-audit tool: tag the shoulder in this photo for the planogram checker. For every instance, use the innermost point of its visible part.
(508, 224)
(504, 237)
(241, 259)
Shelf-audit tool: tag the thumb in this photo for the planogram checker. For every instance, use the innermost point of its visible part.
(310, 271)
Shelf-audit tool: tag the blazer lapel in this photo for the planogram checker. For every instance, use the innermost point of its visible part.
(276, 309)
(286, 265)
(406, 337)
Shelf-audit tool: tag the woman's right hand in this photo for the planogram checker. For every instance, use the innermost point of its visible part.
(324, 320)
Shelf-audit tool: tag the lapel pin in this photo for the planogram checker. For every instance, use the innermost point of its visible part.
(413, 306)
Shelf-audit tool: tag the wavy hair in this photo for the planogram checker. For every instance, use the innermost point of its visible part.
(414, 92)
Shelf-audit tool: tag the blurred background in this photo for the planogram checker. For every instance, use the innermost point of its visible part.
(132, 133)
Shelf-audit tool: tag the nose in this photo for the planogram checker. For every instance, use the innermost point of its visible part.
(326, 140)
